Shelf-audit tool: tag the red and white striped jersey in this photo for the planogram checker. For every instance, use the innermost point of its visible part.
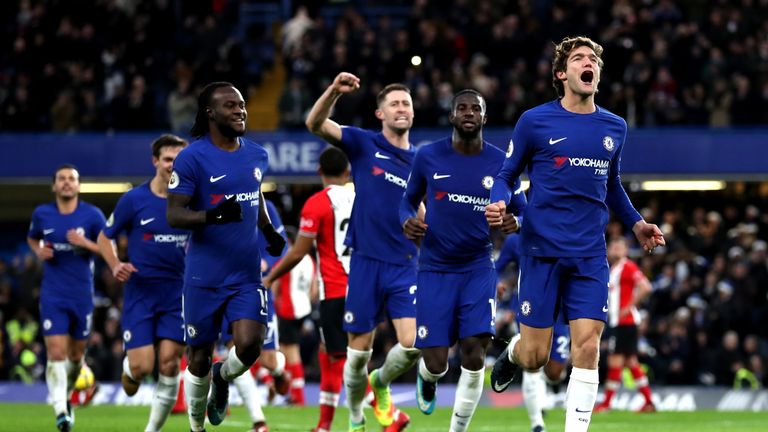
(293, 296)
(625, 275)
(325, 218)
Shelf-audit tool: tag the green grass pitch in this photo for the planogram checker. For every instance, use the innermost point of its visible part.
(38, 417)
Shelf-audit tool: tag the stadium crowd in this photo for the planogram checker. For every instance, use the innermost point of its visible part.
(667, 63)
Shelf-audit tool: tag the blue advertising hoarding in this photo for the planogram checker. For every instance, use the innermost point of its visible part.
(657, 153)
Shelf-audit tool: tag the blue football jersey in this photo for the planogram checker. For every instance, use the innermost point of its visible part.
(154, 248)
(457, 188)
(380, 172)
(573, 162)
(227, 254)
(69, 274)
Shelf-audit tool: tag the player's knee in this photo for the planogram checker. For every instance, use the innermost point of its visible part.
(533, 358)
(435, 364)
(586, 353)
(249, 352)
(169, 366)
(554, 372)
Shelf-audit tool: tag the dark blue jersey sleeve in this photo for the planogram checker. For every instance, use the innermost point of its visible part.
(616, 196)
(121, 218)
(414, 191)
(519, 150)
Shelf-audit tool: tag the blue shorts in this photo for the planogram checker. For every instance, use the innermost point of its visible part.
(270, 339)
(152, 311)
(374, 284)
(205, 308)
(577, 286)
(66, 317)
(451, 306)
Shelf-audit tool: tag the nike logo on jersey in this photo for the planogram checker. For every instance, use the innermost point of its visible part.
(48, 231)
(605, 308)
(582, 411)
(215, 179)
(440, 176)
(555, 141)
(381, 156)
(146, 221)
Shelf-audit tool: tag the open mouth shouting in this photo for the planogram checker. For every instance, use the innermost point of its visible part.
(587, 77)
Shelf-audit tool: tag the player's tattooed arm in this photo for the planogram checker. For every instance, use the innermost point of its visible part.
(179, 216)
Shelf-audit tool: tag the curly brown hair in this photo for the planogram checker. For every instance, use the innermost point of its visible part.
(563, 50)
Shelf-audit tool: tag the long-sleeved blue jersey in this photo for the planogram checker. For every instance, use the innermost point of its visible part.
(573, 162)
(456, 187)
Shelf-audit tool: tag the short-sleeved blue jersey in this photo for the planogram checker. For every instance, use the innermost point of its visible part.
(154, 248)
(69, 274)
(380, 172)
(457, 188)
(227, 254)
(573, 162)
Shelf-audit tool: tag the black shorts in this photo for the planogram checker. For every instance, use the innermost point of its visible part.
(332, 326)
(289, 330)
(623, 340)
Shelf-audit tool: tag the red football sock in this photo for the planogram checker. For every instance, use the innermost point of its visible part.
(297, 382)
(642, 383)
(331, 377)
(612, 384)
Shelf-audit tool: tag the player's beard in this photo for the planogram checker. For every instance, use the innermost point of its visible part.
(230, 132)
(468, 135)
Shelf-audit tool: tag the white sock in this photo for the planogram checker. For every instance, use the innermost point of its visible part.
(399, 360)
(511, 348)
(468, 393)
(73, 371)
(196, 390)
(127, 368)
(232, 367)
(162, 403)
(355, 381)
(56, 379)
(534, 392)
(428, 376)
(580, 399)
(246, 386)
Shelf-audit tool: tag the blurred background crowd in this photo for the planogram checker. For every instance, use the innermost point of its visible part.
(94, 65)
(120, 65)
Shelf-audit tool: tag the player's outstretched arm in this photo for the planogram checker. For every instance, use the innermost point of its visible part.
(120, 270)
(295, 254)
(318, 121)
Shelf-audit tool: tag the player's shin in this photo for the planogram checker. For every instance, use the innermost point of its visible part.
(534, 393)
(580, 399)
(399, 360)
(468, 393)
(246, 386)
(196, 389)
(165, 396)
(56, 380)
(355, 381)
(73, 371)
